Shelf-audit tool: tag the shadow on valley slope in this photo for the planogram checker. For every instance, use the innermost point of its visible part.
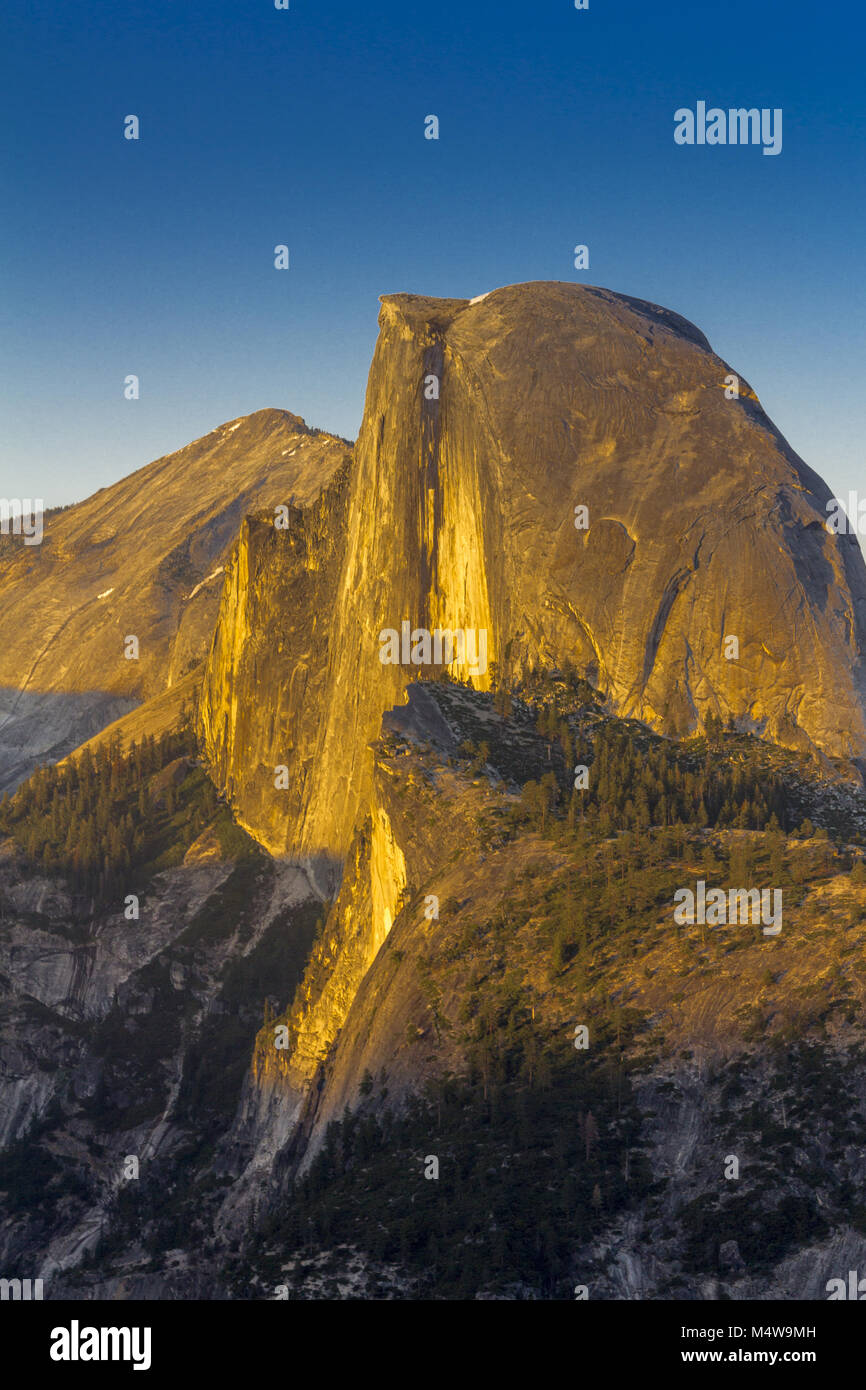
(44, 726)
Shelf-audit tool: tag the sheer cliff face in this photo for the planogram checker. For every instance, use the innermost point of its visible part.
(145, 558)
(486, 425)
(267, 676)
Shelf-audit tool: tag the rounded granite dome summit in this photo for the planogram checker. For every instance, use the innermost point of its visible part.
(576, 475)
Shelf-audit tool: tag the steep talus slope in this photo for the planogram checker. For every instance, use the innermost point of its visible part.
(155, 717)
(143, 557)
(702, 526)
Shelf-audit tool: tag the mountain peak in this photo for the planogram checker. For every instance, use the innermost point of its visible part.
(142, 557)
(580, 488)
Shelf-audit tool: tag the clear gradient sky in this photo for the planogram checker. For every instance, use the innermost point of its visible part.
(261, 126)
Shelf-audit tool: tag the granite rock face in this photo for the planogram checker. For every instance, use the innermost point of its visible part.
(143, 557)
(92, 1046)
(701, 577)
(489, 425)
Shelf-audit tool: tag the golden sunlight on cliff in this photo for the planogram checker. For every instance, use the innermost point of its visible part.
(356, 929)
(460, 598)
(387, 878)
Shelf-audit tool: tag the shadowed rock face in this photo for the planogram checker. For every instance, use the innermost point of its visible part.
(459, 512)
(44, 727)
(143, 557)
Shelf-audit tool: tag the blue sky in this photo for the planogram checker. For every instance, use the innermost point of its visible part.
(306, 127)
